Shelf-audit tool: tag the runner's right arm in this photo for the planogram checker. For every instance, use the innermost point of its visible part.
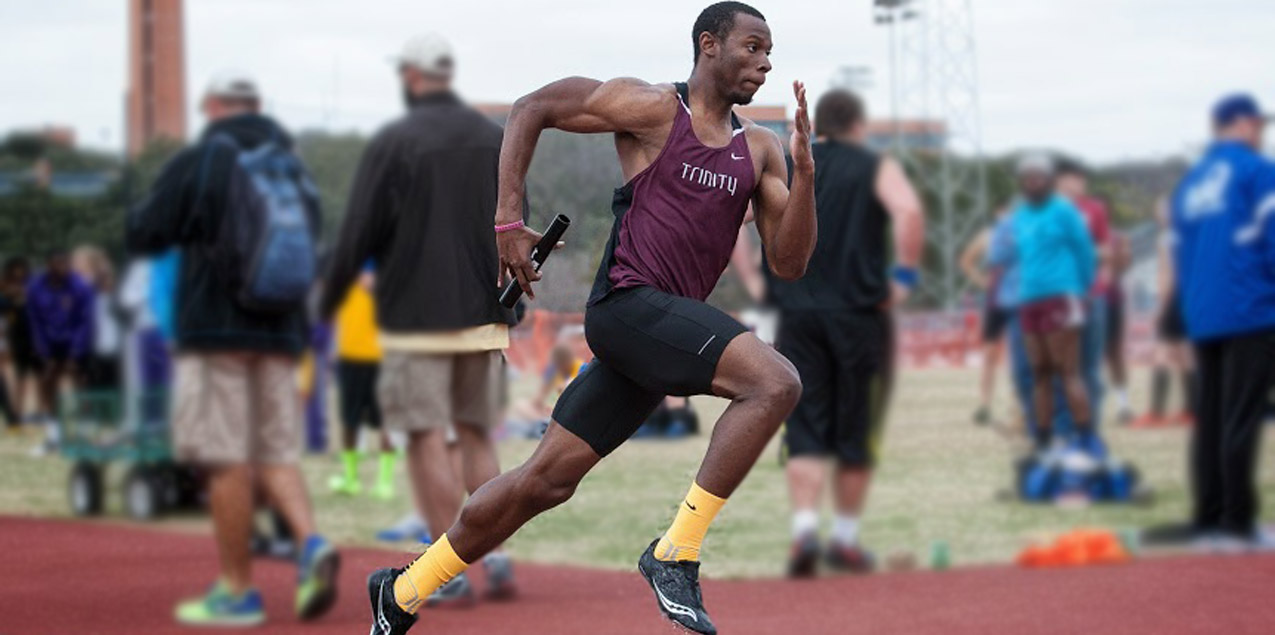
(576, 104)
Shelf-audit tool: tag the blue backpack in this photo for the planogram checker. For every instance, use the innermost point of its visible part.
(265, 249)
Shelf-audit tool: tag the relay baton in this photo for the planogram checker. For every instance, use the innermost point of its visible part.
(539, 254)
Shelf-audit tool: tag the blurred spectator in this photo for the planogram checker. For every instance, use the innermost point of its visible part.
(102, 365)
(996, 314)
(1054, 258)
(358, 353)
(146, 298)
(1073, 183)
(674, 418)
(316, 366)
(1117, 367)
(60, 310)
(421, 208)
(1173, 356)
(1225, 244)
(235, 408)
(562, 368)
(19, 349)
(836, 326)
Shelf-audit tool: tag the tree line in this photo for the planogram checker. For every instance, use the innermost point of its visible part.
(571, 174)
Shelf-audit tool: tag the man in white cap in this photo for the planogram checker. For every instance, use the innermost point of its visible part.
(420, 210)
(235, 410)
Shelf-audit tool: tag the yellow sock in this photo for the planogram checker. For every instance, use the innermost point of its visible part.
(431, 570)
(684, 537)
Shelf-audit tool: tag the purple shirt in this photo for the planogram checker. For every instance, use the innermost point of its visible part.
(61, 316)
(687, 206)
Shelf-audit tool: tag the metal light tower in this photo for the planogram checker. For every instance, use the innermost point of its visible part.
(934, 78)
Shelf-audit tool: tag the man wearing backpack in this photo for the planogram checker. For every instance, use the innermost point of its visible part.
(245, 215)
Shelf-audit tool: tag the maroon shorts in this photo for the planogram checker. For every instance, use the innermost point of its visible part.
(1052, 314)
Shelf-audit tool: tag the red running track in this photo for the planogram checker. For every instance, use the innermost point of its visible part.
(83, 578)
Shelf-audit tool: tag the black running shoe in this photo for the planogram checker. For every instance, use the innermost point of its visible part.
(805, 556)
(387, 617)
(676, 586)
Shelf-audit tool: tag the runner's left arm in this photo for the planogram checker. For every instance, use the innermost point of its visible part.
(786, 213)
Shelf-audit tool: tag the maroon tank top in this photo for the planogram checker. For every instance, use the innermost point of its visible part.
(677, 220)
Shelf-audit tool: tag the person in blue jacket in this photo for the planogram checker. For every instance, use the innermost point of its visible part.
(1055, 260)
(1224, 253)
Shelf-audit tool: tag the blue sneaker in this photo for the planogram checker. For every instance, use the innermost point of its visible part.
(220, 607)
(316, 578)
(411, 528)
(1090, 442)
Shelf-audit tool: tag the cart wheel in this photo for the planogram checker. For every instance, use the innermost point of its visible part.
(85, 489)
(142, 496)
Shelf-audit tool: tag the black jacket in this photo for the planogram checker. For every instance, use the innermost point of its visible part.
(422, 207)
(184, 210)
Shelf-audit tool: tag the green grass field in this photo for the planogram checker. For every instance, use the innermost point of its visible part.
(937, 482)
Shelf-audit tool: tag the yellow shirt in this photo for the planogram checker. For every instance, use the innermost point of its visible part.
(356, 331)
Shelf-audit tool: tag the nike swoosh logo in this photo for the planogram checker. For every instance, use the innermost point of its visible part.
(690, 506)
(671, 606)
(732, 155)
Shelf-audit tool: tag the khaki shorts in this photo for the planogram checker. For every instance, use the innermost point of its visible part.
(236, 408)
(423, 391)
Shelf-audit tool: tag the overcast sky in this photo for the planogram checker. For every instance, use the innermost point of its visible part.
(1105, 79)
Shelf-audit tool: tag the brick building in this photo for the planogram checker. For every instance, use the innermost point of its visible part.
(156, 73)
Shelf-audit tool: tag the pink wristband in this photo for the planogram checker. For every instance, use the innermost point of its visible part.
(500, 229)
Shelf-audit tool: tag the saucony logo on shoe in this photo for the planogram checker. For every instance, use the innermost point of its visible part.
(380, 612)
(671, 606)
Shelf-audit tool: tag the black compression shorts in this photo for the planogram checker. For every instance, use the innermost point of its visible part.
(647, 344)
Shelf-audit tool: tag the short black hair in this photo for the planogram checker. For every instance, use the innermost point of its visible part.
(838, 110)
(719, 19)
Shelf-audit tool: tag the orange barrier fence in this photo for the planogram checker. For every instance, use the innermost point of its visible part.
(942, 339)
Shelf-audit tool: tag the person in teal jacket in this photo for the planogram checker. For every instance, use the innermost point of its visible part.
(1056, 263)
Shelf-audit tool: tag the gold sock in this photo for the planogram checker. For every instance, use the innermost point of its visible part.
(431, 570)
(684, 537)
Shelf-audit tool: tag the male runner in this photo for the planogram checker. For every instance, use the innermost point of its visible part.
(692, 168)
